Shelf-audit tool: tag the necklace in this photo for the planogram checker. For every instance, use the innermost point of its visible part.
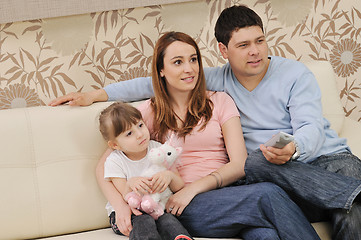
(179, 118)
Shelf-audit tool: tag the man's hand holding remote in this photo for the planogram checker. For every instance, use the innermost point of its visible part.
(279, 149)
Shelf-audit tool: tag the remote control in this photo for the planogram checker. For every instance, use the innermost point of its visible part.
(279, 140)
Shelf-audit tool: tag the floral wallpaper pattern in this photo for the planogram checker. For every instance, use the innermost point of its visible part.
(45, 58)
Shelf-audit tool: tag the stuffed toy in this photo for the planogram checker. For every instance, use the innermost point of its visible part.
(161, 158)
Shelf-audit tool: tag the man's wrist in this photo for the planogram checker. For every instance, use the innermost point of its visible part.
(297, 153)
(99, 95)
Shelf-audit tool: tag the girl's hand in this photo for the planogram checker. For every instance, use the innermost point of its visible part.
(161, 180)
(140, 185)
(179, 201)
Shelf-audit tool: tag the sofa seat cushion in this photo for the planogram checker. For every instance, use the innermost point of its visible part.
(322, 228)
(107, 234)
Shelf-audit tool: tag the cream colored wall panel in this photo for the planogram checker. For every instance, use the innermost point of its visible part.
(20, 10)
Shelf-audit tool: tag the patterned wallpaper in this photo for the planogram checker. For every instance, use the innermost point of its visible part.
(45, 58)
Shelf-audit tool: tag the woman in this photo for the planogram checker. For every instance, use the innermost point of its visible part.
(213, 156)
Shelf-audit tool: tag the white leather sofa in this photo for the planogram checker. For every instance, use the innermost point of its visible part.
(47, 162)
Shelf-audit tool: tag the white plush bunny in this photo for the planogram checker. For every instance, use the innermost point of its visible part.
(161, 158)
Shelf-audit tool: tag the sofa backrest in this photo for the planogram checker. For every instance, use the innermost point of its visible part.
(331, 103)
(47, 171)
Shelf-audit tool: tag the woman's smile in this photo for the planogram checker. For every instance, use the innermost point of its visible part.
(188, 79)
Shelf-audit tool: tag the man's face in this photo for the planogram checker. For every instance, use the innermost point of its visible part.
(247, 53)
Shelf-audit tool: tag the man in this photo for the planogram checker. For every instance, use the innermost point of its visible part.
(273, 94)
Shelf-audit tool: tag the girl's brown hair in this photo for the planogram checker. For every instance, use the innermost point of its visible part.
(117, 118)
(199, 107)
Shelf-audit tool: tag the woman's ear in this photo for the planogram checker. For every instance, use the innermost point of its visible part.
(161, 73)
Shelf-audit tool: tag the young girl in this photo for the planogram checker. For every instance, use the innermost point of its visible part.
(123, 128)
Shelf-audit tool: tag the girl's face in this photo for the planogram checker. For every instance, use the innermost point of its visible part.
(133, 142)
(181, 68)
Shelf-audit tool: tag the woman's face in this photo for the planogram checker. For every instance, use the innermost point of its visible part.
(181, 68)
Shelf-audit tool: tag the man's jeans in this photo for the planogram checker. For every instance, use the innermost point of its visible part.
(255, 211)
(328, 183)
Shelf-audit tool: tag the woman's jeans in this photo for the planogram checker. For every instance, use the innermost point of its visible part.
(167, 227)
(255, 211)
(328, 185)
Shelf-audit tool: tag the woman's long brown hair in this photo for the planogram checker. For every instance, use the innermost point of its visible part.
(199, 107)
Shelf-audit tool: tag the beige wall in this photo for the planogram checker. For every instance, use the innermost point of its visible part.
(45, 58)
(21, 10)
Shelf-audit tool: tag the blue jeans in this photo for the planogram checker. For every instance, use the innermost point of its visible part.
(255, 211)
(327, 187)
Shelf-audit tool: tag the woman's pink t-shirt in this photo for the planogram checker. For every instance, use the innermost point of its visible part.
(203, 151)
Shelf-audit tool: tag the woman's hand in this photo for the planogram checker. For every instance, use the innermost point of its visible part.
(123, 218)
(140, 185)
(161, 180)
(180, 200)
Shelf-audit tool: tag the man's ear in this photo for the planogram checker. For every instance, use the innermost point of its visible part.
(223, 49)
(113, 145)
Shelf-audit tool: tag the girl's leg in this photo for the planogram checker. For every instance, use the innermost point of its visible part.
(171, 229)
(113, 224)
(144, 228)
(226, 212)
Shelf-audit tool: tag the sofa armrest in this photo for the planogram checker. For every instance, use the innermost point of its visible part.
(351, 130)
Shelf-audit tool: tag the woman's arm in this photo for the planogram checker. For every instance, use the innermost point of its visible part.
(225, 175)
(236, 150)
(177, 182)
(122, 210)
(121, 185)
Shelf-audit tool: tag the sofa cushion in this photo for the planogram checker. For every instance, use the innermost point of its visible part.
(47, 171)
(331, 104)
(322, 228)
